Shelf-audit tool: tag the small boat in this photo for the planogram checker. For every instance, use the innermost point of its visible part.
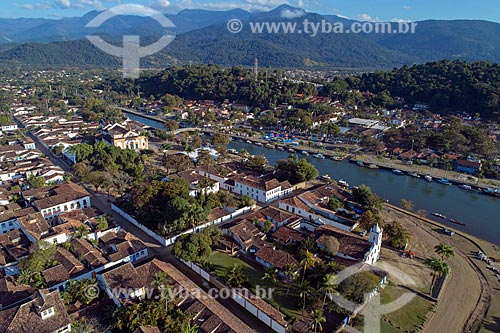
(414, 174)
(428, 178)
(259, 144)
(360, 163)
(249, 142)
(305, 153)
(343, 183)
(320, 156)
(373, 166)
(444, 181)
(466, 187)
(232, 151)
(270, 146)
(398, 172)
(281, 148)
(291, 150)
(326, 177)
(457, 222)
(439, 215)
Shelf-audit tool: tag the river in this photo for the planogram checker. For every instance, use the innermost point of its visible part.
(479, 212)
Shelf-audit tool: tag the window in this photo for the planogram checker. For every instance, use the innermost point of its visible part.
(48, 313)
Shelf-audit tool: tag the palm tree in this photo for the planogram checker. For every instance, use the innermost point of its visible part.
(191, 328)
(307, 261)
(271, 274)
(329, 287)
(81, 231)
(439, 267)
(318, 318)
(444, 250)
(289, 271)
(305, 293)
(234, 277)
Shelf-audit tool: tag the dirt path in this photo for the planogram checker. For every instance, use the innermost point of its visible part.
(465, 285)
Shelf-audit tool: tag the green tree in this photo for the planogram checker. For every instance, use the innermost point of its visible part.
(444, 250)
(318, 319)
(398, 234)
(36, 182)
(308, 260)
(235, 277)
(438, 267)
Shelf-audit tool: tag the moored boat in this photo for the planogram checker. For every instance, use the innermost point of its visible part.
(414, 174)
(439, 215)
(398, 172)
(428, 178)
(373, 166)
(360, 163)
(466, 187)
(291, 150)
(343, 183)
(305, 153)
(444, 181)
(326, 177)
(320, 156)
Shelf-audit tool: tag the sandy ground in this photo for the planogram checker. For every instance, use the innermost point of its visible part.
(471, 290)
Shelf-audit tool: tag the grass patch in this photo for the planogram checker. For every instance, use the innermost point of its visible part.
(411, 316)
(288, 304)
(406, 319)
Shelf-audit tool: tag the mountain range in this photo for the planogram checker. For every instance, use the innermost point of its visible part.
(203, 37)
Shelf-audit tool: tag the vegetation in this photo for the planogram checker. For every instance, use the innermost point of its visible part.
(150, 313)
(295, 170)
(398, 235)
(355, 287)
(32, 266)
(447, 86)
(196, 246)
(80, 291)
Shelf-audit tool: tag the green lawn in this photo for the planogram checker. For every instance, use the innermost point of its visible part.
(288, 304)
(410, 316)
(406, 319)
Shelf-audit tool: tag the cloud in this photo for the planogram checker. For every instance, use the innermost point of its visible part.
(164, 3)
(366, 17)
(399, 20)
(63, 3)
(291, 14)
(406, 7)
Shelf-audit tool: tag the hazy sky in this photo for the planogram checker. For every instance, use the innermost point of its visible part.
(384, 10)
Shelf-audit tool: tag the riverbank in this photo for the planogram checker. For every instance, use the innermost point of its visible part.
(422, 170)
(470, 301)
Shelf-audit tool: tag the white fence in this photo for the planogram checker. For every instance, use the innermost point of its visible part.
(245, 299)
(169, 241)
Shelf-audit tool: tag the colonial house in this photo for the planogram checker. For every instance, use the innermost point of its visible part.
(351, 246)
(123, 137)
(471, 166)
(261, 189)
(55, 200)
(245, 234)
(44, 312)
(313, 207)
(268, 257)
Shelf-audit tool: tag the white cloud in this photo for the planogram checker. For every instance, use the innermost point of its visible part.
(366, 17)
(164, 3)
(406, 7)
(398, 20)
(291, 14)
(63, 3)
